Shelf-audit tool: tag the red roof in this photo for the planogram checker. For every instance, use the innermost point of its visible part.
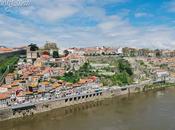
(4, 96)
(5, 49)
(72, 56)
(93, 78)
(6, 86)
(45, 56)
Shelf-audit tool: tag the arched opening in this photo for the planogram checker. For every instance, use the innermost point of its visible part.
(66, 100)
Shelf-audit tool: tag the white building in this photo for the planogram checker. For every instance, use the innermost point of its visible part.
(31, 55)
(120, 51)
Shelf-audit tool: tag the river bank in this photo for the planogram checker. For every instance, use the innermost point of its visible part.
(18, 112)
(153, 110)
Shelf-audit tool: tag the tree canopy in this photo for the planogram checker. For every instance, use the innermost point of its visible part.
(75, 76)
(124, 65)
(122, 77)
(55, 54)
(66, 52)
(33, 47)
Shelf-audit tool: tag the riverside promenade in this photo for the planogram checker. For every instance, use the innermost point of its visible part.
(30, 108)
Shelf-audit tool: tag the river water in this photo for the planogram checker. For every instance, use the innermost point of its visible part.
(149, 111)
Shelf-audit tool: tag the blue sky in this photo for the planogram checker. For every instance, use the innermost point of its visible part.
(81, 23)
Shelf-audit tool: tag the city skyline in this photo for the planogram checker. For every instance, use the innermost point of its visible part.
(142, 24)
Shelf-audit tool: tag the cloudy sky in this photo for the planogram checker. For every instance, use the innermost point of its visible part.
(81, 23)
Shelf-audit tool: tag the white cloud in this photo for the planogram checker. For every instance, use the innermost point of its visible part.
(170, 6)
(56, 13)
(15, 33)
(110, 30)
(51, 11)
(142, 14)
(104, 2)
(107, 25)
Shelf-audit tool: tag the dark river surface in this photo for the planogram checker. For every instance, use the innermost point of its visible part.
(148, 111)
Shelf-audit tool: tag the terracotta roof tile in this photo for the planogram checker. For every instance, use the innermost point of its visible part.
(4, 96)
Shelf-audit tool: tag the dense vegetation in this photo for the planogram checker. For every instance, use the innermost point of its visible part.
(158, 85)
(70, 77)
(66, 52)
(124, 66)
(55, 54)
(122, 77)
(9, 62)
(75, 76)
(123, 74)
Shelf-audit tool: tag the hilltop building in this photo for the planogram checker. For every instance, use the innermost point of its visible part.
(31, 54)
(50, 47)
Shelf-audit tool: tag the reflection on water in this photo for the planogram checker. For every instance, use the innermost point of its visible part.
(149, 111)
(160, 93)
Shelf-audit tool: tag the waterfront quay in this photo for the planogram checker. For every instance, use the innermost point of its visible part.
(83, 94)
(37, 106)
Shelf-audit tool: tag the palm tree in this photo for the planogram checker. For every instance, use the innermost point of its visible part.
(33, 47)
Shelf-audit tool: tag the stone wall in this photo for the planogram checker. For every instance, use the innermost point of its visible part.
(66, 102)
(6, 114)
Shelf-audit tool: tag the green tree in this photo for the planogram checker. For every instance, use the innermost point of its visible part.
(103, 53)
(75, 76)
(33, 47)
(121, 79)
(71, 77)
(66, 52)
(55, 54)
(124, 65)
(158, 53)
(9, 62)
